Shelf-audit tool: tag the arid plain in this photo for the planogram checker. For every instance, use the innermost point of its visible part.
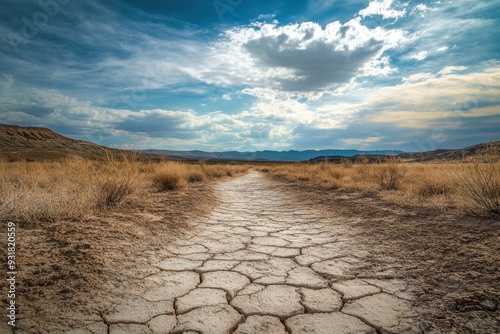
(125, 244)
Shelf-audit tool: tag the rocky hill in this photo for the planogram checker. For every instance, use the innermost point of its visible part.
(450, 154)
(40, 144)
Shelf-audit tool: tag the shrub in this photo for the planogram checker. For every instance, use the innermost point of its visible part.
(429, 188)
(196, 176)
(170, 176)
(481, 180)
(113, 191)
(33, 192)
(391, 174)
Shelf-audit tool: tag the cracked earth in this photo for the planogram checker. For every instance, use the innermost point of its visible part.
(264, 263)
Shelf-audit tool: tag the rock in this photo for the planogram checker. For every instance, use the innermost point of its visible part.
(281, 301)
(262, 325)
(217, 319)
(327, 323)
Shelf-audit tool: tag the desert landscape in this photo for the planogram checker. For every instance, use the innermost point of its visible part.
(249, 167)
(113, 242)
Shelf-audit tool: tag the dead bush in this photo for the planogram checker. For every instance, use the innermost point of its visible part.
(113, 191)
(196, 176)
(391, 175)
(481, 180)
(170, 176)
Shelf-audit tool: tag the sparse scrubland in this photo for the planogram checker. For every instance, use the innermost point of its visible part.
(78, 187)
(98, 225)
(472, 186)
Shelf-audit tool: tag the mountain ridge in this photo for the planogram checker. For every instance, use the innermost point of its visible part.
(267, 155)
(39, 143)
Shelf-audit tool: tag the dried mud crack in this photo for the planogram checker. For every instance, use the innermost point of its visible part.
(262, 262)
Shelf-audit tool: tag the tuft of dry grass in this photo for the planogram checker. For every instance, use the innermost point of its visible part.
(169, 176)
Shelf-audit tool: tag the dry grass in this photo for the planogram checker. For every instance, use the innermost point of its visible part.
(45, 191)
(78, 187)
(470, 187)
(481, 180)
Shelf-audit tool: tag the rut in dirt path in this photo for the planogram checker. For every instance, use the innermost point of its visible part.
(265, 263)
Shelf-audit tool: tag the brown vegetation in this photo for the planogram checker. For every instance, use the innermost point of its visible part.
(78, 187)
(467, 186)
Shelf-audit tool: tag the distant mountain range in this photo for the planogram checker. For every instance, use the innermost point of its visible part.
(35, 144)
(287, 156)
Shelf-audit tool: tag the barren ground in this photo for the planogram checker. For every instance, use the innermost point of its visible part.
(261, 256)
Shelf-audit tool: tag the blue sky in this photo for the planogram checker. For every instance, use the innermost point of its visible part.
(253, 75)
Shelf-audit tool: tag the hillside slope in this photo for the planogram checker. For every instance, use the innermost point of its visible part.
(39, 144)
(449, 154)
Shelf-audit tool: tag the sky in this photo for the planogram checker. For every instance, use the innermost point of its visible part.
(222, 75)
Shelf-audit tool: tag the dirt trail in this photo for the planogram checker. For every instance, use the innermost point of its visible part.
(262, 263)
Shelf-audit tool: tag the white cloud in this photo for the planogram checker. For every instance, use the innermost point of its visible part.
(361, 141)
(420, 56)
(266, 16)
(227, 97)
(382, 8)
(425, 99)
(442, 49)
(302, 58)
(452, 69)
(418, 77)
(422, 9)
